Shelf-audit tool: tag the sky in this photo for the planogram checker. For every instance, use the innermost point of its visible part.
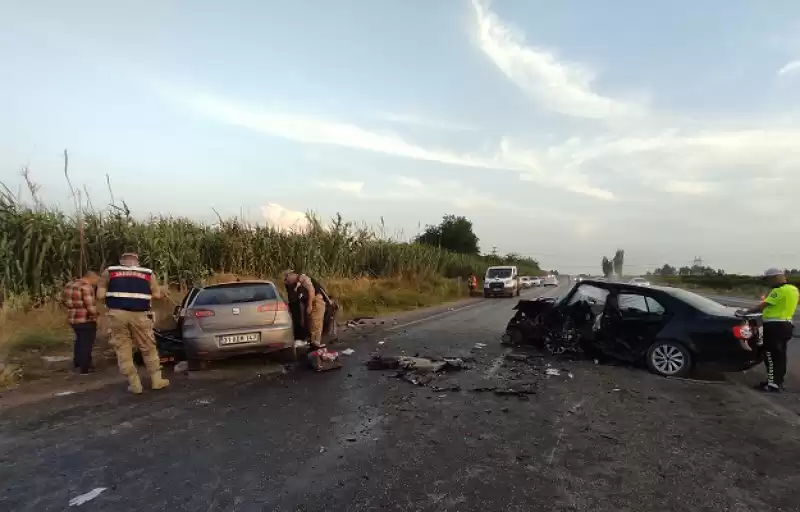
(562, 130)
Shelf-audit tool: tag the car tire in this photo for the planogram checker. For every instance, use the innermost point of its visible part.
(669, 359)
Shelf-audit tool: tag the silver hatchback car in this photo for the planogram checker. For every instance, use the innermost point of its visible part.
(242, 317)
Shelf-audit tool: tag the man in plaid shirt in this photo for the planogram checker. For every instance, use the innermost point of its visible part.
(79, 299)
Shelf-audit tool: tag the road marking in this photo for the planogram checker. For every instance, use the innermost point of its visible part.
(571, 410)
(437, 315)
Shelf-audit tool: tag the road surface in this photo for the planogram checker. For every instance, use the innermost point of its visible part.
(589, 438)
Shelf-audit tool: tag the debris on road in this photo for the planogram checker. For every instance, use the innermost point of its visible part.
(64, 393)
(552, 371)
(480, 345)
(181, 367)
(77, 501)
(323, 359)
(416, 370)
(348, 351)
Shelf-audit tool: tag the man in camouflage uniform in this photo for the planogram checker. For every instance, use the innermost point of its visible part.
(312, 295)
(127, 290)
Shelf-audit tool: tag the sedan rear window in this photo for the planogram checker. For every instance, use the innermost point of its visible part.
(699, 302)
(236, 293)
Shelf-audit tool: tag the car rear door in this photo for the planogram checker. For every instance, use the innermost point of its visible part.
(236, 306)
(643, 317)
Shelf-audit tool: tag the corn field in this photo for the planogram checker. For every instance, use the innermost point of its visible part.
(41, 248)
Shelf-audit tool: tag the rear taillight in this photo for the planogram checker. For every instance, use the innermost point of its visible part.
(272, 307)
(743, 332)
(202, 313)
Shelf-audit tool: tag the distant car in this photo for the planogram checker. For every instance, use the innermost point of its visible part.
(550, 280)
(639, 281)
(535, 281)
(501, 280)
(243, 317)
(525, 282)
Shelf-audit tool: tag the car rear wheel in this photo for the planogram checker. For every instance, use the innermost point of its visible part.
(669, 359)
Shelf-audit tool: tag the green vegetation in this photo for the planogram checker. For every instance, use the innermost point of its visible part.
(746, 286)
(41, 248)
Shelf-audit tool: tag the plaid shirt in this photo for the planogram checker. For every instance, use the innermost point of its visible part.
(80, 302)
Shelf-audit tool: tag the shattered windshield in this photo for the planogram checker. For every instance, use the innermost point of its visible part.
(498, 273)
(586, 292)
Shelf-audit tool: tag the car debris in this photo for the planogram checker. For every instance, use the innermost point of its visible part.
(480, 345)
(181, 367)
(552, 371)
(348, 351)
(77, 501)
(416, 370)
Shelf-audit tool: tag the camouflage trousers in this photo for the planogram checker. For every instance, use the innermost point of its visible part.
(131, 329)
(316, 320)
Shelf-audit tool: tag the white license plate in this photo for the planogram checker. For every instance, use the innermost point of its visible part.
(239, 338)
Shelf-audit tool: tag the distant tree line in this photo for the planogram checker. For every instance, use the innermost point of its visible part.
(455, 234)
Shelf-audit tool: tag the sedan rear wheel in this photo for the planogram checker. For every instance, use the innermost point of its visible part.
(669, 359)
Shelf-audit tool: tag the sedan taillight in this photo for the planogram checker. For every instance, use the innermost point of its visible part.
(273, 306)
(743, 332)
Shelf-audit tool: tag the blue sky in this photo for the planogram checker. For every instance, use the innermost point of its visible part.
(562, 129)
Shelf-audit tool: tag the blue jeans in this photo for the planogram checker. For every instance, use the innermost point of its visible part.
(85, 335)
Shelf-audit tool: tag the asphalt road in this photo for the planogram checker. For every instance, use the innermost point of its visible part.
(589, 437)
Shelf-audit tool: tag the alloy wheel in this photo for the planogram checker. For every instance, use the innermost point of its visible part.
(668, 359)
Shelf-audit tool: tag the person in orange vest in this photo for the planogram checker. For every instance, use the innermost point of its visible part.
(472, 282)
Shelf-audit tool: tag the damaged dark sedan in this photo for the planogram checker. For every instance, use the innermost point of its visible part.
(668, 329)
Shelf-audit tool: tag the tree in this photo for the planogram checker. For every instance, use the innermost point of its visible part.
(666, 270)
(608, 266)
(685, 271)
(454, 234)
(619, 260)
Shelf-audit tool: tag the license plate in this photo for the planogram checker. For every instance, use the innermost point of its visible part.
(239, 338)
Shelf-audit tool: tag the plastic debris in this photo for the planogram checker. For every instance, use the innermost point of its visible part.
(480, 345)
(348, 351)
(552, 371)
(77, 501)
(300, 344)
(64, 393)
(181, 367)
(381, 342)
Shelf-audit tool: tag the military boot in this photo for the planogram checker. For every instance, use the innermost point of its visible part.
(157, 381)
(134, 384)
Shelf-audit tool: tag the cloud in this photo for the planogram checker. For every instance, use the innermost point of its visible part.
(318, 131)
(408, 182)
(284, 219)
(559, 86)
(790, 68)
(351, 187)
(424, 122)
(687, 187)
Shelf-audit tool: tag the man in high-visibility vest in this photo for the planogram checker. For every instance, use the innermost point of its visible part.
(127, 289)
(777, 311)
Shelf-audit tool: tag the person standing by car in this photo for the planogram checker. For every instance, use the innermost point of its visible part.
(312, 295)
(128, 290)
(79, 300)
(777, 311)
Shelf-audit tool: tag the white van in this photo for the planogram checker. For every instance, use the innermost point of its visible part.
(501, 280)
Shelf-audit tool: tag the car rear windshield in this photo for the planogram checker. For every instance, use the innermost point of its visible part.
(236, 293)
(498, 273)
(703, 304)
